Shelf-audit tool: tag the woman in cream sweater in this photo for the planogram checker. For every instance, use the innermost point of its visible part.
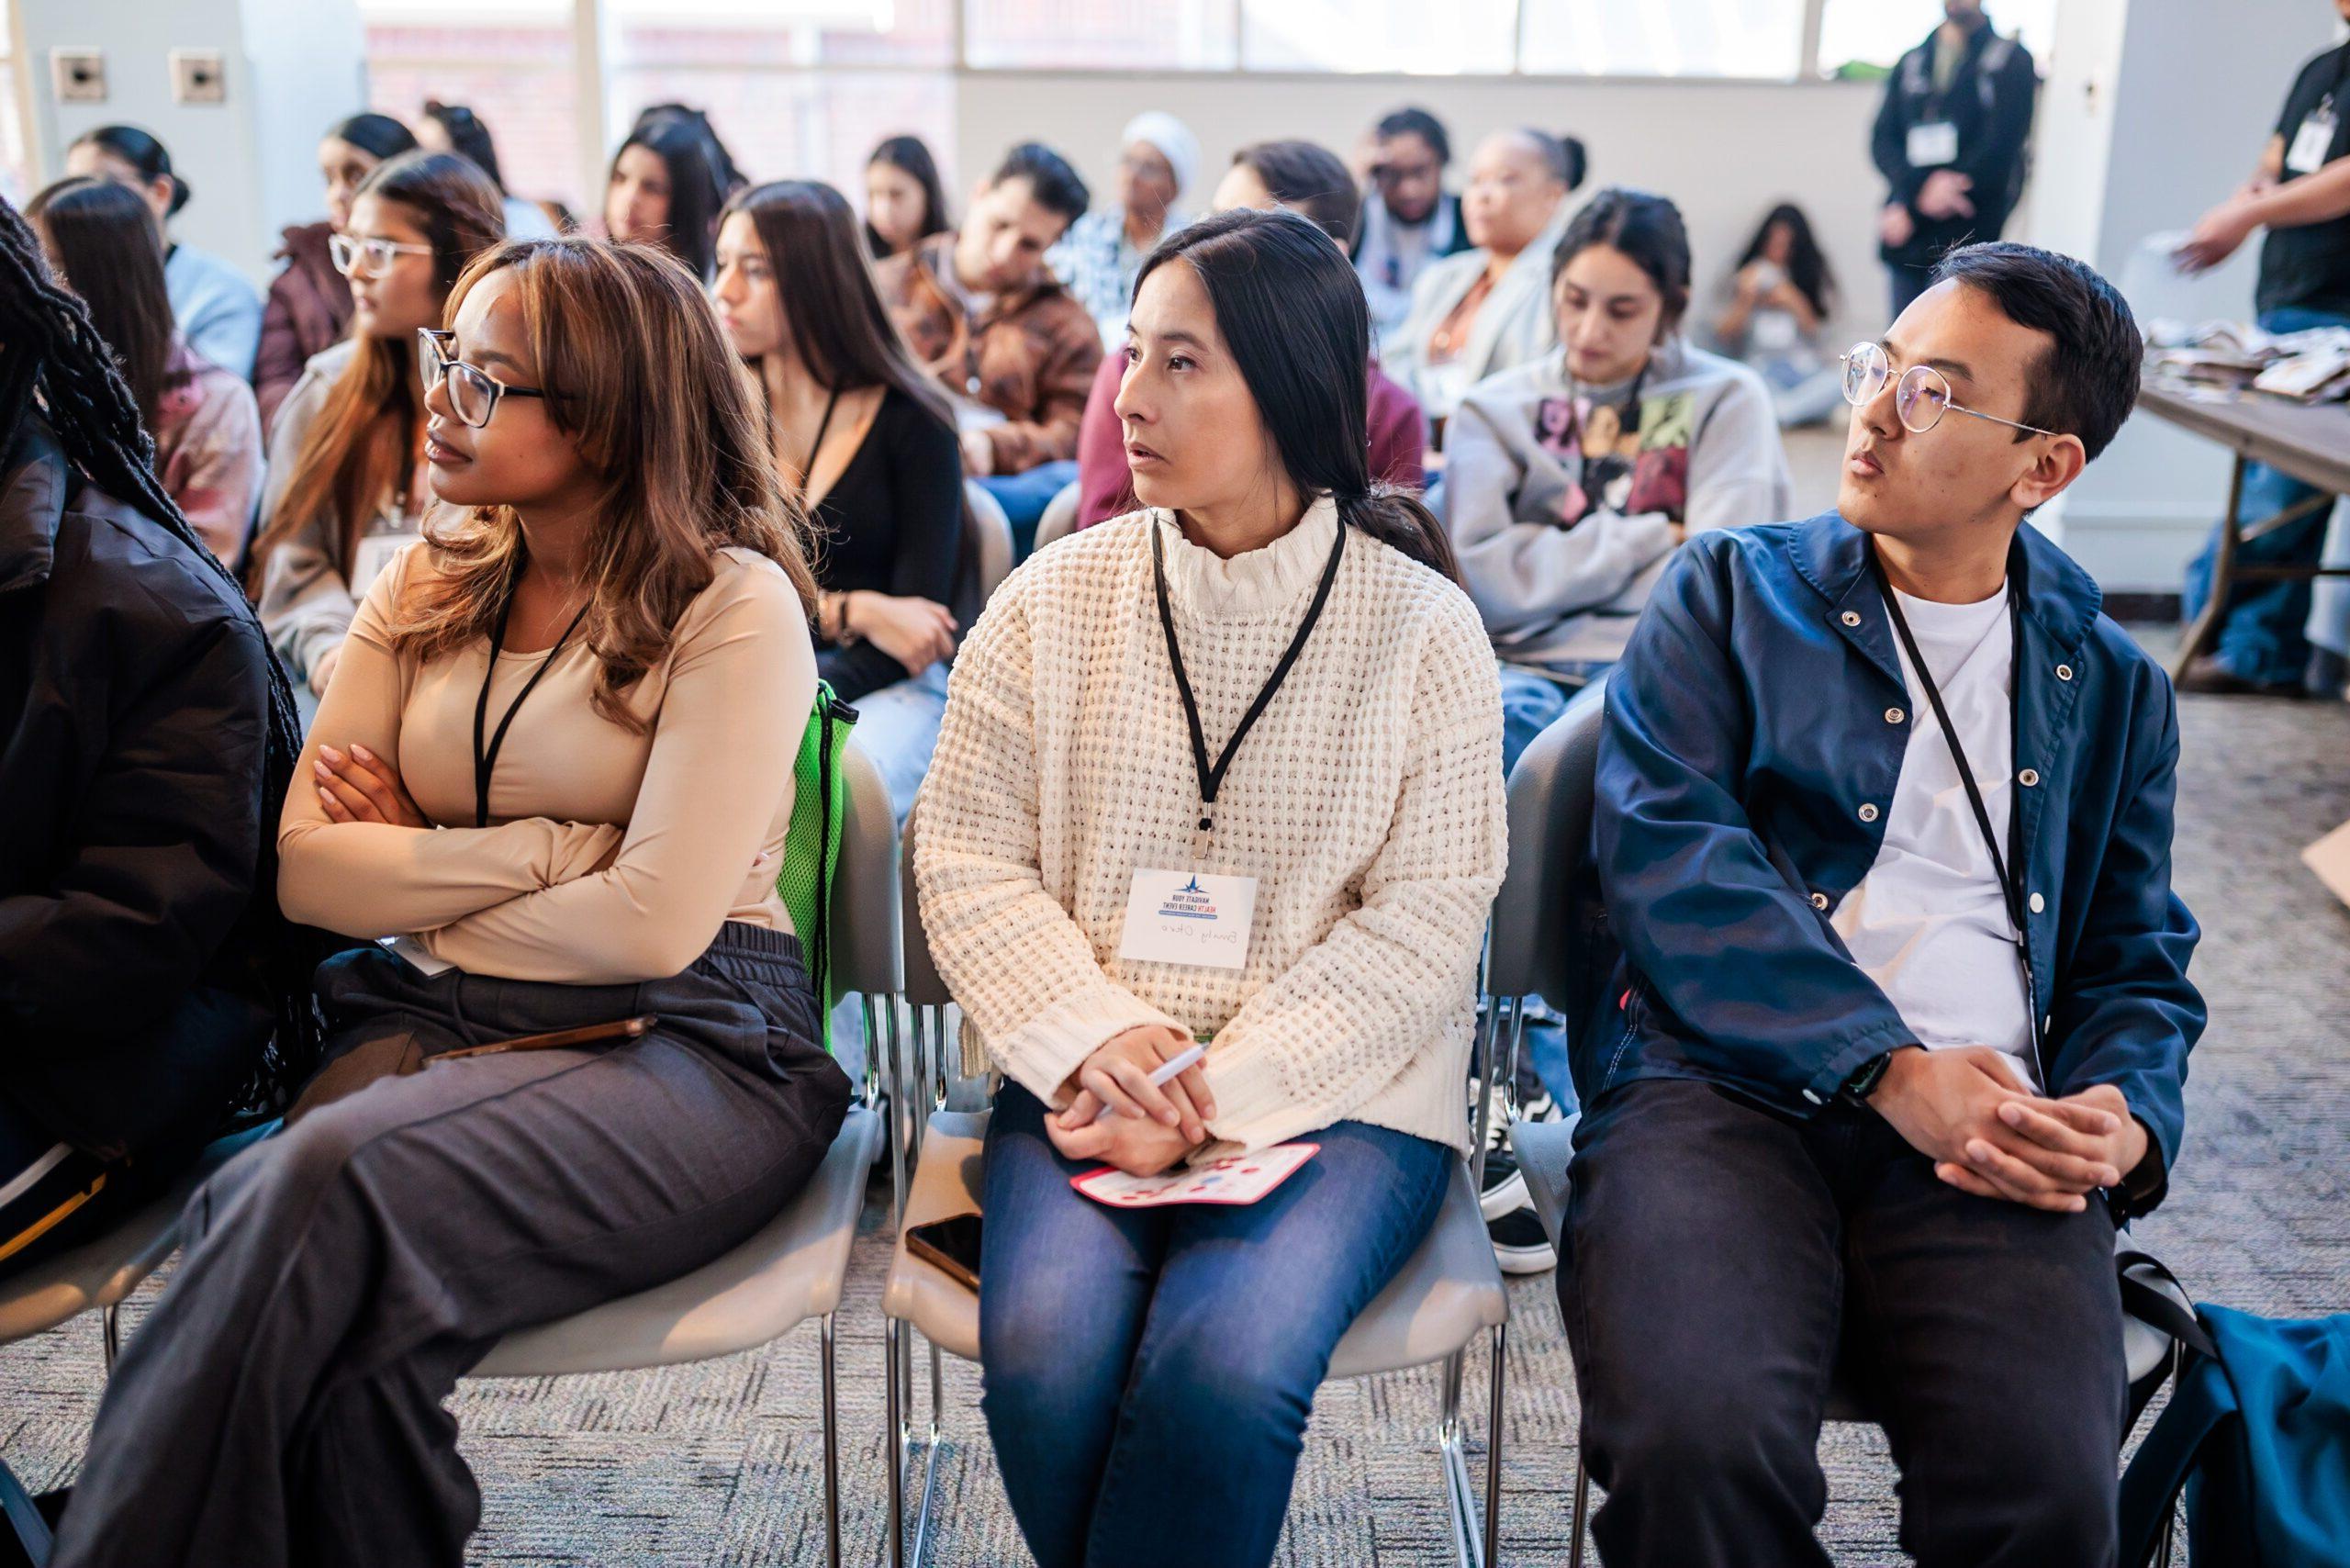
(555, 764)
(1149, 1373)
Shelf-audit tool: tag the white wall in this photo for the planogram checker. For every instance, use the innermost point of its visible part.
(291, 67)
(2179, 116)
(1724, 151)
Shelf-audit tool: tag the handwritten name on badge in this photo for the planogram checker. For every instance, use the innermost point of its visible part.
(1189, 917)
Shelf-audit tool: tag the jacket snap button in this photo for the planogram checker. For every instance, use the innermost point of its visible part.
(1868, 812)
(1819, 900)
(2028, 778)
(1851, 618)
(1894, 715)
(2064, 672)
(2038, 903)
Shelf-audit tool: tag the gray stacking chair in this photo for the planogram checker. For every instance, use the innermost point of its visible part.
(1447, 1293)
(100, 1274)
(1534, 951)
(793, 1269)
(1061, 517)
(986, 559)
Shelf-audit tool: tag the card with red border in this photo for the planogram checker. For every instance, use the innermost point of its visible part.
(1236, 1180)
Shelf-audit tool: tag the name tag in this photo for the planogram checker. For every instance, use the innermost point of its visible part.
(372, 555)
(2310, 144)
(1932, 143)
(1189, 917)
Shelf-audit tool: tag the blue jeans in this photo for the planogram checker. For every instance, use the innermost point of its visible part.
(898, 728)
(1024, 497)
(1148, 1374)
(2262, 637)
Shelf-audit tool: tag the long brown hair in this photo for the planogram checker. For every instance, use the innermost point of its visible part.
(640, 379)
(102, 238)
(839, 327)
(361, 445)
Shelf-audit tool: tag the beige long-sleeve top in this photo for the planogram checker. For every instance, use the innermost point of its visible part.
(611, 857)
(1367, 802)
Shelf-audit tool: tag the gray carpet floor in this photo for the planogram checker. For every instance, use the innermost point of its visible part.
(720, 1462)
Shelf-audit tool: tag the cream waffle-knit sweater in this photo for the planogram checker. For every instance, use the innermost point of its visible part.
(1367, 802)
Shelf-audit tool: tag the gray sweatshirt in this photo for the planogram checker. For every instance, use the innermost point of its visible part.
(1561, 505)
(306, 601)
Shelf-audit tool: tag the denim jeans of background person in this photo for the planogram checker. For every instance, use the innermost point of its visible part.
(1770, 1171)
(1024, 495)
(1115, 1340)
(2263, 641)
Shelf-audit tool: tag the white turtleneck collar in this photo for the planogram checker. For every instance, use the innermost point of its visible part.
(1269, 580)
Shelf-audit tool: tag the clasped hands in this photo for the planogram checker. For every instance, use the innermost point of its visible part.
(1963, 1109)
(1150, 1127)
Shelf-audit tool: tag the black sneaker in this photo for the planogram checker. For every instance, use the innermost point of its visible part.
(1519, 1244)
(1504, 1188)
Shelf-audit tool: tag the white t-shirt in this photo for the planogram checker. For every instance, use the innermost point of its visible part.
(1928, 922)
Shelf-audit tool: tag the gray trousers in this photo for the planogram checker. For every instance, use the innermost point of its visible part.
(281, 1404)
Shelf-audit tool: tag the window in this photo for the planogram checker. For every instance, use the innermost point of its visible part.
(509, 61)
(1865, 33)
(1665, 38)
(793, 87)
(1457, 38)
(1166, 35)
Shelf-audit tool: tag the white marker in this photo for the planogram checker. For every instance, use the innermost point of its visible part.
(1168, 1069)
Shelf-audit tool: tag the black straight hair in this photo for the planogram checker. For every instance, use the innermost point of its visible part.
(1291, 307)
(839, 327)
(1413, 120)
(1646, 228)
(141, 152)
(1053, 185)
(910, 155)
(467, 136)
(54, 368)
(697, 186)
(2086, 382)
(101, 237)
(378, 136)
(1308, 177)
(1808, 266)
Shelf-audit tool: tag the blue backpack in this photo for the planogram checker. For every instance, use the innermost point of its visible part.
(2257, 1437)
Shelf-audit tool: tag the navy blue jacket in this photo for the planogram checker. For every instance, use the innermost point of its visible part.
(1758, 708)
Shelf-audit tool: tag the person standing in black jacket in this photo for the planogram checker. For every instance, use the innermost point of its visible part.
(1950, 141)
(148, 985)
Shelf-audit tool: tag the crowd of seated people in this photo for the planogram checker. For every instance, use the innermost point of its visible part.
(474, 710)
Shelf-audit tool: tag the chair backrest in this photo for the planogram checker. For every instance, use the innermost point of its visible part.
(987, 553)
(923, 986)
(866, 934)
(1530, 951)
(1061, 517)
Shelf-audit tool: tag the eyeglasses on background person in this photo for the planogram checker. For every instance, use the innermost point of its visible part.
(348, 249)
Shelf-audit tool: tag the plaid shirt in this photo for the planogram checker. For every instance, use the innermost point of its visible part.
(1098, 265)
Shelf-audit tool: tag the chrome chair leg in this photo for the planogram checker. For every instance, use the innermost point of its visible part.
(898, 1457)
(1583, 1507)
(1493, 1446)
(110, 1326)
(832, 1446)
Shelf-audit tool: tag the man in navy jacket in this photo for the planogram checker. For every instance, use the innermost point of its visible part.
(1900, 1028)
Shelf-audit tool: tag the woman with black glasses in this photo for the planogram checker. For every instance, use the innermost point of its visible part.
(346, 483)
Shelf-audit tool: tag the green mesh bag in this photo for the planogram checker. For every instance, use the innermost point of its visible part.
(812, 846)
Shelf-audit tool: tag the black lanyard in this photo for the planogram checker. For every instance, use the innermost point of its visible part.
(2010, 888)
(1211, 777)
(485, 758)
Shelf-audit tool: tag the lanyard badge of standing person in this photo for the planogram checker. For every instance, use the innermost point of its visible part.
(1190, 917)
(2313, 144)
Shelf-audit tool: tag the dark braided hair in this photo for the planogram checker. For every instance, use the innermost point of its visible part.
(55, 366)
